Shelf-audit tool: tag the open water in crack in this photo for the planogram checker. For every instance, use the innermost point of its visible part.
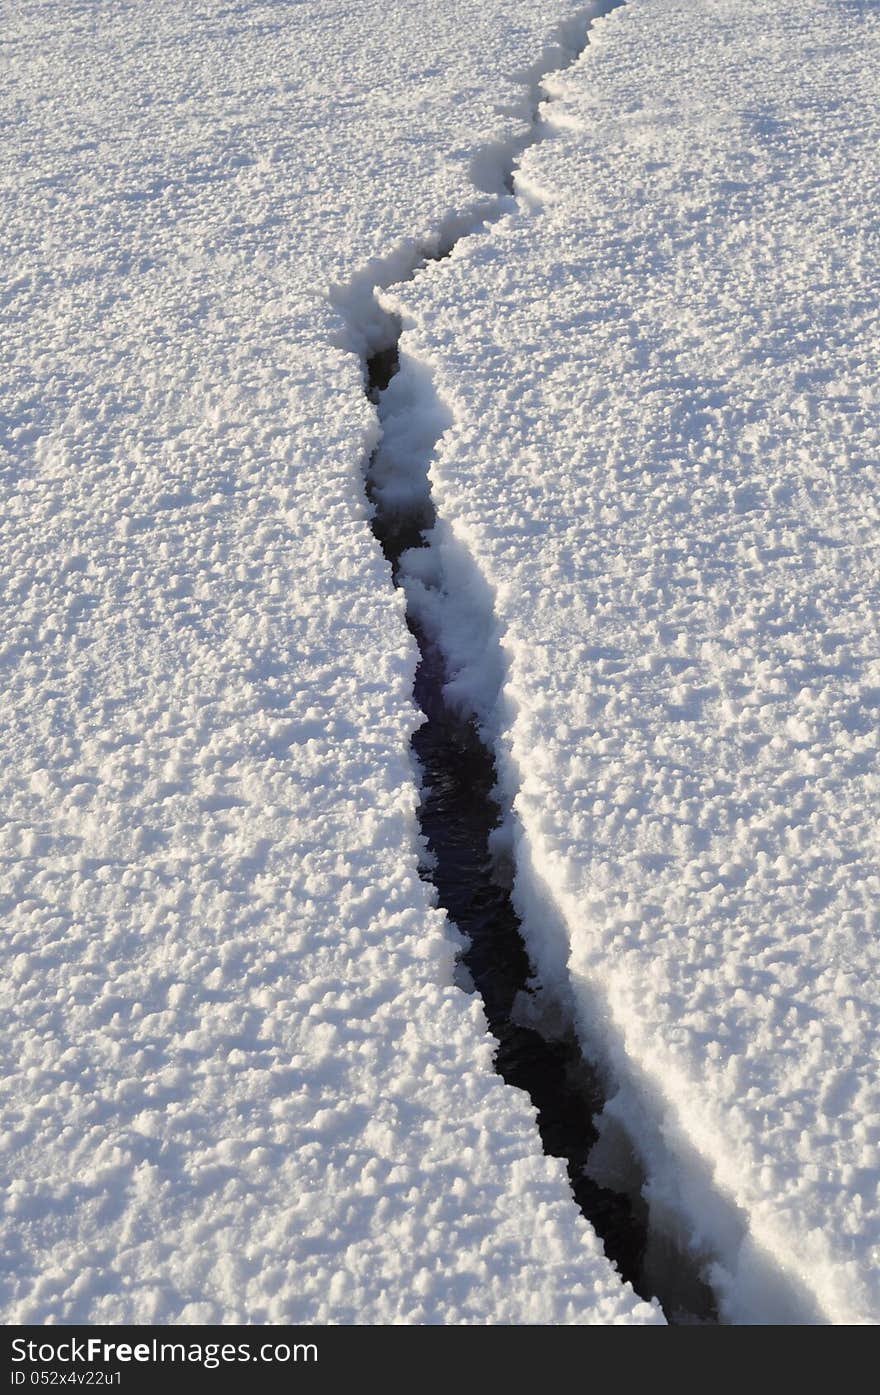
(457, 815)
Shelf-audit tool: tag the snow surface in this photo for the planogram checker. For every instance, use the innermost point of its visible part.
(238, 1082)
(659, 534)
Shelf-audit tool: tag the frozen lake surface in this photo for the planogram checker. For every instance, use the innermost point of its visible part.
(241, 1080)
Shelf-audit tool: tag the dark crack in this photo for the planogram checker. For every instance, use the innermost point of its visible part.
(459, 812)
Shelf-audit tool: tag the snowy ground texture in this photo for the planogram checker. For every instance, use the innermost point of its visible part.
(663, 460)
(238, 1080)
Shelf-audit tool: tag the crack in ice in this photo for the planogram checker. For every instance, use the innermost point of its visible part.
(460, 818)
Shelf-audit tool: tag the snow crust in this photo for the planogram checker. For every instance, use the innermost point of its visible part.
(659, 536)
(237, 1082)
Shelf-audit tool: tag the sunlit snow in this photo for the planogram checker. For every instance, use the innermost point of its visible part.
(240, 1079)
